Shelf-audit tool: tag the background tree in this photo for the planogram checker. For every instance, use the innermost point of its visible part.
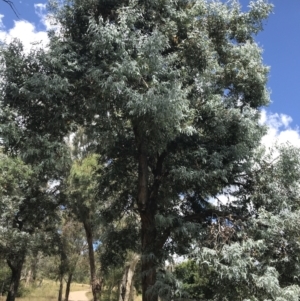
(119, 261)
(126, 284)
(195, 280)
(256, 258)
(74, 244)
(27, 216)
(81, 190)
(31, 197)
(15, 238)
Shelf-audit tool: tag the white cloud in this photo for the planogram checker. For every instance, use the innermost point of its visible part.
(40, 9)
(279, 129)
(1, 23)
(26, 33)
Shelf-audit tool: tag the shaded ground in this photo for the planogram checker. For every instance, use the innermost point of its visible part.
(78, 296)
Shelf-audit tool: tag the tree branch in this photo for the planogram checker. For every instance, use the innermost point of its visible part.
(12, 6)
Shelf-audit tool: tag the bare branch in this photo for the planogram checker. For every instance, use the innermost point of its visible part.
(12, 6)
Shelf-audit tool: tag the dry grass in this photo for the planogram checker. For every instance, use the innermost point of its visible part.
(79, 287)
(48, 291)
(138, 298)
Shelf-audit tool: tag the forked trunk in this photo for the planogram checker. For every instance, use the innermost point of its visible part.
(61, 287)
(95, 285)
(69, 281)
(16, 269)
(126, 283)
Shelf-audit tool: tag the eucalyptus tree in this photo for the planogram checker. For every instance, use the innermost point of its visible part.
(169, 90)
(14, 176)
(28, 216)
(30, 189)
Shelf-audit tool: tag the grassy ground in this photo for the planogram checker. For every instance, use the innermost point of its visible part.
(48, 291)
(114, 297)
(89, 295)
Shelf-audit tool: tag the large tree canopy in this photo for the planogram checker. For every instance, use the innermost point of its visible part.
(169, 92)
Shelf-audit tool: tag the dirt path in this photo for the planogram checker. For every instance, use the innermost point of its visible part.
(78, 296)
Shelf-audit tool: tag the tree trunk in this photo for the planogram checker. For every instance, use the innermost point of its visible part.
(16, 269)
(132, 292)
(126, 283)
(147, 209)
(70, 276)
(89, 236)
(61, 287)
(149, 258)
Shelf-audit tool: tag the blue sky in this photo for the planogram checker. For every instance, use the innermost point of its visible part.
(280, 41)
(26, 10)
